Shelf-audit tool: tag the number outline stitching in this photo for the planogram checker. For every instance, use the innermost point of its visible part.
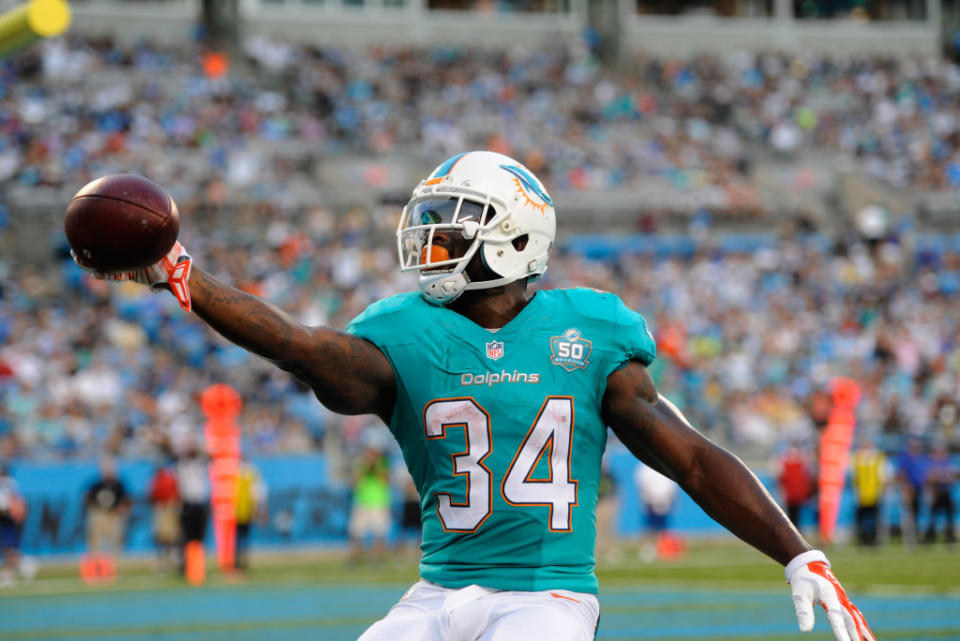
(453, 461)
(570, 479)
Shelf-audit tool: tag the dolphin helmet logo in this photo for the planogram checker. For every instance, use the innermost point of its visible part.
(527, 184)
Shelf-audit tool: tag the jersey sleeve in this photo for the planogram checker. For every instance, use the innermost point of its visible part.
(382, 322)
(631, 338)
(364, 327)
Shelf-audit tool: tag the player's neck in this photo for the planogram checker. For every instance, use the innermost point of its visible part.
(493, 308)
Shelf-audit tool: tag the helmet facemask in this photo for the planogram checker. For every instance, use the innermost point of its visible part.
(442, 277)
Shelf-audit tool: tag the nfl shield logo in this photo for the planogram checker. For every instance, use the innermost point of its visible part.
(495, 350)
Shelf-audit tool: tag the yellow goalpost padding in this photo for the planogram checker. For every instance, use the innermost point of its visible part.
(30, 22)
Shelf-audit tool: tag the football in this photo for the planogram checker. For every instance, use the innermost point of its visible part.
(121, 222)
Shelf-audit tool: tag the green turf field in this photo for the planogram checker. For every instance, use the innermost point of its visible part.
(718, 591)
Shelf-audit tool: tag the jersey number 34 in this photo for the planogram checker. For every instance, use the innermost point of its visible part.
(551, 433)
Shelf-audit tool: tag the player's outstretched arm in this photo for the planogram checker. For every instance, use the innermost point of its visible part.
(658, 434)
(348, 374)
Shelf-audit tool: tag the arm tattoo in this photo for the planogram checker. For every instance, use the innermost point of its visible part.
(246, 320)
(227, 298)
(346, 373)
(352, 357)
(257, 322)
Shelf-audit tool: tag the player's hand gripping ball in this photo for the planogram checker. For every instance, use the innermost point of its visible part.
(124, 227)
(121, 222)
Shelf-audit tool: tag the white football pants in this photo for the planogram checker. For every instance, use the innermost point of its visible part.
(429, 612)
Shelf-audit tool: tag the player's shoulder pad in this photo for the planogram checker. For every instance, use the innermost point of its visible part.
(594, 304)
(386, 316)
(630, 335)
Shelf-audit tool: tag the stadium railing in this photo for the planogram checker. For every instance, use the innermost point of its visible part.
(342, 23)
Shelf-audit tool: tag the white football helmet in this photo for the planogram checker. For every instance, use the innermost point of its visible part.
(489, 198)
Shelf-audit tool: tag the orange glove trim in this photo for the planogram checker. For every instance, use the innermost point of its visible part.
(820, 568)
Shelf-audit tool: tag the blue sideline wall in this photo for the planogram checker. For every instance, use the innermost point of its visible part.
(305, 506)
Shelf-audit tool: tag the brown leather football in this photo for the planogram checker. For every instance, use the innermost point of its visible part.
(121, 222)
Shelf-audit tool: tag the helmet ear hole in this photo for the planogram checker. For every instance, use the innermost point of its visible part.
(520, 242)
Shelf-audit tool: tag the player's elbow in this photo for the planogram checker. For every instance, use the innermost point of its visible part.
(296, 367)
(294, 352)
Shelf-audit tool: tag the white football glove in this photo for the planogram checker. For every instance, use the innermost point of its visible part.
(812, 582)
(173, 271)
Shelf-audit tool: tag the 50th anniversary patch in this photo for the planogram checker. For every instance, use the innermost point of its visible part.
(570, 350)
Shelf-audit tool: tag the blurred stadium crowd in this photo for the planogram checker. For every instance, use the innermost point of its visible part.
(87, 106)
(749, 340)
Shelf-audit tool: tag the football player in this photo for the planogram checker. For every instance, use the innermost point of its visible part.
(500, 400)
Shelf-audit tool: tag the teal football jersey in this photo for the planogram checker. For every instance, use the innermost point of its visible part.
(502, 433)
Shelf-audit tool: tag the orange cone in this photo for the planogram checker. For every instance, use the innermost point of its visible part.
(98, 568)
(195, 563)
